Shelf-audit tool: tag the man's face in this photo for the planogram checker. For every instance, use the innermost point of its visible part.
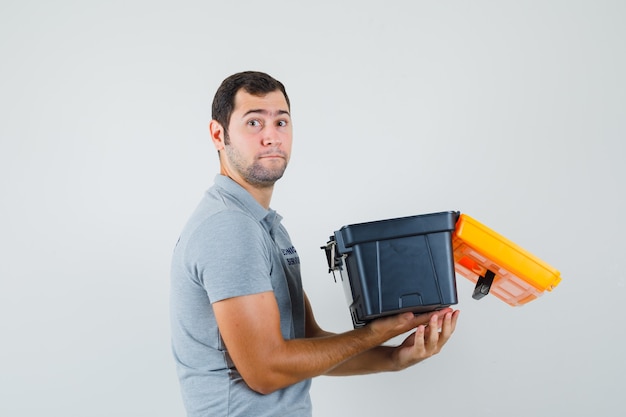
(258, 142)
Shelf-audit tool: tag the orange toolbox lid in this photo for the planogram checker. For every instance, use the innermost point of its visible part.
(499, 266)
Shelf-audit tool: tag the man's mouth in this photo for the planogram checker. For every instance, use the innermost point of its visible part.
(273, 155)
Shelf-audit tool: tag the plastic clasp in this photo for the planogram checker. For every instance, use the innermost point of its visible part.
(483, 285)
(334, 261)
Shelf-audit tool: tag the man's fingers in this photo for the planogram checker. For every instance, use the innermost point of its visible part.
(439, 330)
(433, 333)
(447, 327)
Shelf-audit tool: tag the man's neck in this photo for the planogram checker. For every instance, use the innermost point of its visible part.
(263, 195)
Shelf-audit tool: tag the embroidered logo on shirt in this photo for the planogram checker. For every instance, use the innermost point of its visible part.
(291, 256)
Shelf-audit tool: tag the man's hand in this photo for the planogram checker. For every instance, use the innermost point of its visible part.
(431, 332)
(427, 340)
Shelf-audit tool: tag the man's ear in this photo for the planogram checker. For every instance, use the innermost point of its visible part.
(216, 131)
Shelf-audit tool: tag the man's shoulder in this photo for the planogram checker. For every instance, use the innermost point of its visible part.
(221, 219)
(220, 216)
(224, 231)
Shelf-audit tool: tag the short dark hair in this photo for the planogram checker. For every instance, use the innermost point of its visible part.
(252, 82)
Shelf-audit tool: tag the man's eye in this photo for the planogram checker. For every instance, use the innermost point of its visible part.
(282, 123)
(254, 123)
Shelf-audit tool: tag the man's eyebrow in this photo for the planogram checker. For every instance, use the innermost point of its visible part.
(266, 112)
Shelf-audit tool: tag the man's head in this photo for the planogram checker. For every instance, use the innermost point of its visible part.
(252, 82)
(252, 126)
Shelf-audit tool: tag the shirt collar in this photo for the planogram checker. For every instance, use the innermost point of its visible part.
(269, 218)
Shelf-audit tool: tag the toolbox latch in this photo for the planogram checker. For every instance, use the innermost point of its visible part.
(483, 285)
(334, 261)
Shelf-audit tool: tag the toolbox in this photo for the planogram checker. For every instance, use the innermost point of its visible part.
(395, 265)
(410, 264)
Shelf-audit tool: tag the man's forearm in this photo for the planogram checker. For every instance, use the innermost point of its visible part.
(377, 359)
(298, 359)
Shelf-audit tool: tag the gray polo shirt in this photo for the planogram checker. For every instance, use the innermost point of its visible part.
(231, 246)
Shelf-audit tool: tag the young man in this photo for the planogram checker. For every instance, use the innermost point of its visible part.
(244, 337)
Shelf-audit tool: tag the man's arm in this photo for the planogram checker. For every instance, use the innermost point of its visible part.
(426, 341)
(250, 327)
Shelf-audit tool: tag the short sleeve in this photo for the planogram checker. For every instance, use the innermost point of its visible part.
(229, 256)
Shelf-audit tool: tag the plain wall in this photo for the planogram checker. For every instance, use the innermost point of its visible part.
(511, 112)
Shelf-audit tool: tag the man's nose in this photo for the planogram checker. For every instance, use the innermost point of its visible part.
(271, 136)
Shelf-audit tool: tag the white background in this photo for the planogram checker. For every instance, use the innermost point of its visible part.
(511, 112)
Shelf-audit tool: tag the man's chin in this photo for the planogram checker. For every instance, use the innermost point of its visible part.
(265, 178)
